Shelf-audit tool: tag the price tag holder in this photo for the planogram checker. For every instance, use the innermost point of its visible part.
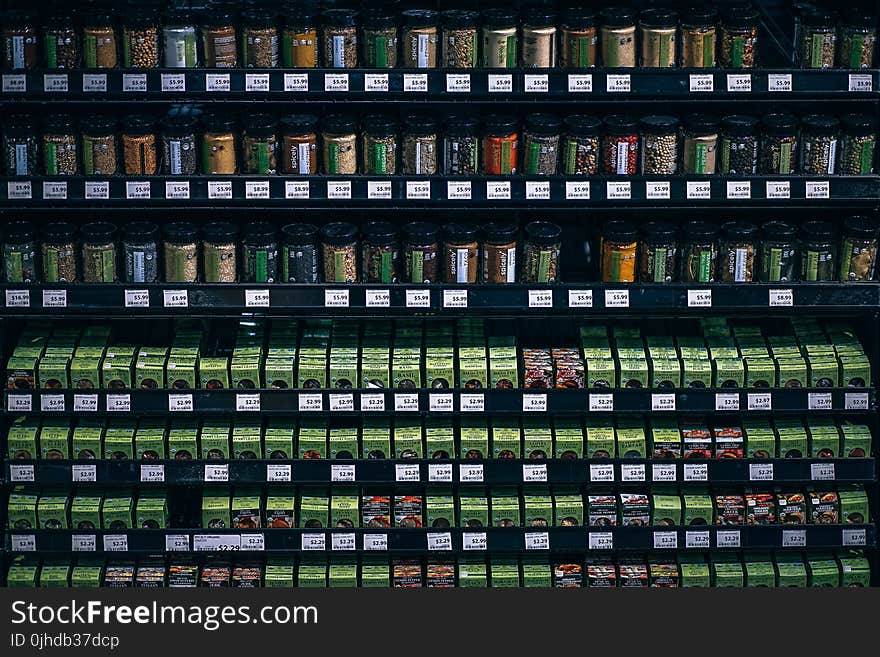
(216, 543)
(665, 540)
(579, 83)
(577, 189)
(534, 403)
(173, 82)
(336, 82)
(701, 83)
(137, 189)
(658, 190)
(258, 82)
(24, 543)
(537, 540)
(601, 403)
(698, 190)
(497, 191)
(55, 190)
(617, 84)
(279, 472)
(343, 542)
(699, 298)
(376, 82)
(85, 403)
(760, 472)
(256, 189)
(739, 189)
(341, 402)
(855, 401)
(696, 540)
(175, 189)
(313, 542)
(739, 82)
(247, 403)
(781, 298)
(726, 401)
(617, 298)
(820, 189)
(373, 401)
(458, 190)
(18, 404)
(759, 401)
(458, 83)
(470, 473)
(339, 189)
(84, 543)
(474, 541)
(18, 299)
(500, 83)
(630, 472)
(378, 189)
(375, 542)
(538, 84)
(728, 538)
(175, 298)
(440, 472)
(180, 403)
(137, 299)
(377, 298)
(296, 82)
(819, 401)
(696, 472)
(83, 473)
(418, 189)
(540, 298)
(94, 83)
(297, 189)
(115, 542)
(21, 473)
(472, 403)
(54, 298)
(220, 189)
(618, 191)
(854, 538)
(345, 474)
(796, 538)
(176, 543)
(216, 472)
(119, 403)
(822, 472)
(439, 541)
(779, 83)
(664, 472)
(580, 298)
(406, 402)
(455, 299)
(52, 403)
(415, 82)
(97, 190)
(336, 298)
(418, 299)
(16, 83)
(780, 189)
(601, 472)
(662, 402)
(256, 298)
(217, 82)
(537, 190)
(601, 541)
(534, 473)
(861, 82)
(407, 472)
(18, 189)
(440, 402)
(310, 402)
(152, 473)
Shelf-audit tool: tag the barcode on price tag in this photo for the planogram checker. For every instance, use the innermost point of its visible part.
(18, 403)
(115, 543)
(658, 190)
(794, 538)
(440, 472)
(56, 190)
(297, 189)
(577, 189)
(458, 190)
(97, 190)
(662, 402)
(580, 298)
(314, 542)
(854, 537)
(500, 83)
(18, 299)
(175, 298)
(418, 189)
(378, 189)
(21, 473)
(601, 403)
(256, 298)
(24, 543)
(537, 190)
(173, 82)
(698, 190)
(861, 82)
(339, 189)
(407, 472)
(337, 82)
(216, 542)
(536, 83)
(135, 189)
(727, 538)
(455, 299)
(699, 298)
(601, 472)
(84, 543)
(53, 83)
(779, 82)
(778, 189)
(415, 82)
(405, 402)
(176, 543)
(474, 541)
(664, 472)
(498, 191)
(618, 83)
(472, 403)
(94, 82)
(697, 540)
(696, 471)
(119, 403)
(618, 191)
(759, 401)
(180, 403)
(217, 82)
(18, 189)
(176, 189)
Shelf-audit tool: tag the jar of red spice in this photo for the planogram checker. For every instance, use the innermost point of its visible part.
(621, 147)
(500, 145)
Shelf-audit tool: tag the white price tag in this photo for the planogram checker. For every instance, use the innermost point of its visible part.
(699, 298)
(739, 82)
(175, 298)
(760, 472)
(343, 542)
(97, 190)
(701, 83)
(534, 473)
(726, 401)
(115, 542)
(779, 82)
(540, 298)
(18, 299)
(856, 401)
(418, 299)
(279, 472)
(415, 82)
(854, 538)
(819, 401)
(618, 191)
(457, 83)
(377, 298)
(83, 543)
(739, 189)
(759, 401)
(474, 541)
(296, 189)
(256, 299)
(580, 83)
(665, 540)
(662, 402)
(418, 189)
(440, 402)
(137, 298)
(470, 473)
(534, 403)
(14, 83)
(52, 403)
(630, 472)
(134, 82)
(601, 541)
(336, 298)
(861, 82)
(539, 84)
(341, 402)
(24, 543)
(406, 402)
(472, 403)
(818, 189)
(376, 82)
(497, 191)
(152, 473)
(256, 82)
(617, 298)
(175, 189)
(616, 84)
(296, 82)
(372, 401)
(580, 298)
(458, 190)
(727, 538)
(779, 189)
(500, 83)
(696, 472)
(375, 542)
(537, 190)
(217, 82)
(176, 543)
(216, 542)
(18, 189)
(577, 189)
(601, 472)
(697, 189)
(173, 82)
(601, 403)
(440, 472)
(85, 403)
(94, 82)
(455, 299)
(21, 473)
(378, 189)
(407, 472)
(537, 540)
(55, 190)
(18, 403)
(345, 474)
(137, 189)
(822, 471)
(658, 190)
(696, 540)
(339, 189)
(310, 402)
(439, 541)
(794, 538)
(180, 403)
(219, 189)
(83, 473)
(781, 298)
(664, 472)
(217, 472)
(256, 189)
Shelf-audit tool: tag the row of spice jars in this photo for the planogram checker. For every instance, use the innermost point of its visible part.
(218, 252)
(825, 39)
(738, 251)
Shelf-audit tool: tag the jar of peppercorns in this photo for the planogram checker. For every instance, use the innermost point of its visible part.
(819, 144)
(739, 145)
(621, 146)
(739, 37)
(660, 142)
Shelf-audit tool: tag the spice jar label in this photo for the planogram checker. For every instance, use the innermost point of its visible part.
(256, 189)
(580, 298)
(778, 189)
(137, 189)
(601, 403)
(781, 298)
(314, 542)
(375, 541)
(540, 298)
(617, 298)
(180, 403)
(18, 403)
(665, 540)
(577, 189)
(578, 83)
(699, 298)
(536, 83)
(373, 402)
(698, 190)
(457, 83)
(137, 299)
(134, 82)
(173, 82)
(376, 82)
(341, 402)
(739, 82)
(739, 189)
(727, 538)
(296, 82)
(779, 82)
(416, 82)
(94, 82)
(175, 298)
(406, 402)
(256, 82)
(498, 191)
(177, 189)
(662, 402)
(418, 299)
(52, 403)
(759, 401)
(296, 189)
(853, 538)
(85, 403)
(537, 541)
(616, 84)
(53, 83)
(455, 299)
(618, 191)
(760, 472)
(416, 189)
(819, 401)
(474, 541)
(310, 402)
(726, 401)
(701, 83)
(55, 190)
(97, 190)
(18, 189)
(818, 189)
(601, 541)
(18, 299)
(440, 403)
(17, 83)
(856, 401)
(336, 298)
(54, 298)
(377, 298)
(861, 82)
(458, 190)
(343, 542)
(339, 189)
(534, 403)
(247, 403)
(537, 190)
(337, 82)
(217, 82)
(500, 83)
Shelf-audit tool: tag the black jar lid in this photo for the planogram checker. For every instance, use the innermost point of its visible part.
(740, 17)
(460, 126)
(620, 230)
(543, 124)
(340, 17)
(820, 124)
(59, 124)
(19, 232)
(543, 233)
(858, 124)
(420, 232)
(98, 232)
(59, 18)
(420, 125)
(778, 230)
(661, 232)
(299, 16)
(620, 124)
(180, 232)
(259, 18)
(860, 17)
(299, 124)
(497, 17)
(217, 122)
(99, 125)
(174, 17)
(138, 124)
(98, 17)
(380, 124)
(179, 124)
(260, 232)
(377, 18)
(218, 18)
(300, 234)
(739, 230)
(539, 16)
(741, 125)
(819, 18)
(662, 18)
(259, 124)
(578, 18)
(339, 233)
(779, 124)
(418, 18)
(699, 16)
(379, 233)
(618, 17)
(16, 17)
(659, 123)
(145, 230)
(860, 226)
(699, 230)
(59, 232)
(458, 233)
(582, 125)
(818, 231)
(701, 124)
(141, 17)
(500, 124)
(339, 124)
(457, 19)
(500, 233)
(220, 232)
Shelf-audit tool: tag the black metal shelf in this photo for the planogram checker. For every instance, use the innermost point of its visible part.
(512, 472)
(353, 403)
(403, 299)
(532, 540)
(449, 85)
(453, 191)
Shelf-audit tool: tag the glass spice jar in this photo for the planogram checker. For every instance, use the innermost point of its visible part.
(20, 146)
(20, 41)
(578, 38)
(419, 146)
(699, 252)
(858, 250)
(580, 147)
(380, 252)
(98, 247)
(816, 40)
(218, 145)
(737, 252)
(818, 241)
(379, 38)
(179, 40)
(339, 145)
(461, 146)
(219, 252)
(658, 253)
(699, 35)
(617, 36)
(180, 252)
(499, 38)
(538, 38)
(178, 141)
(140, 252)
(779, 144)
(739, 37)
(59, 253)
(420, 252)
(541, 145)
(700, 144)
(299, 39)
(60, 147)
(259, 253)
(99, 40)
(461, 251)
(219, 40)
(259, 144)
(340, 38)
(500, 145)
(140, 39)
(299, 143)
(620, 146)
(420, 38)
(818, 144)
(259, 39)
(739, 145)
(779, 252)
(658, 30)
(660, 135)
(858, 139)
(541, 249)
(299, 253)
(379, 145)
(61, 41)
(99, 150)
(460, 38)
(20, 253)
(858, 38)
(339, 246)
(498, 256)
(618, 252)
(139, 145)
